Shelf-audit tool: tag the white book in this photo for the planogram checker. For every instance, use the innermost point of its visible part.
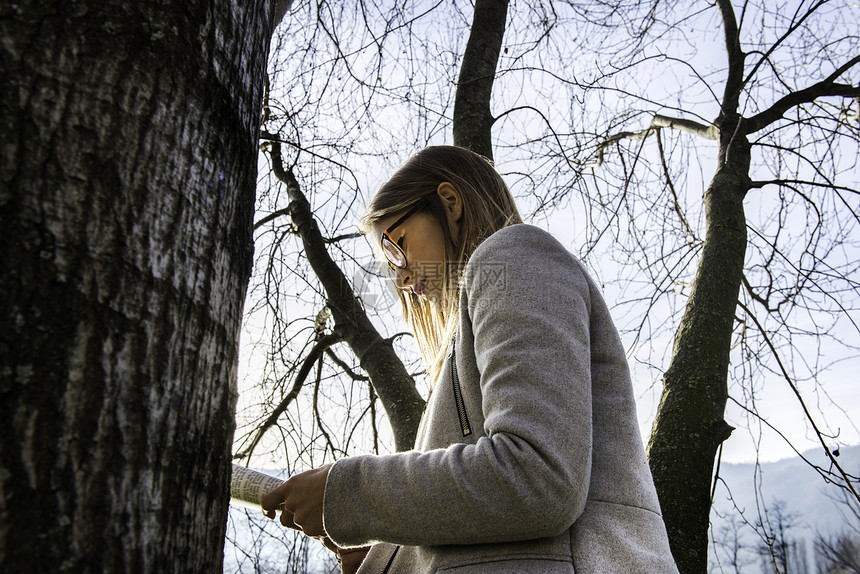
(247, 486)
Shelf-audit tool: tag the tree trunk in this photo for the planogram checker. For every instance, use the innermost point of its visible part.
(128, 171)
(690, 426)
(472, 116)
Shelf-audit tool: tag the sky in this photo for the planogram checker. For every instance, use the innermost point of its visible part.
(371, 141)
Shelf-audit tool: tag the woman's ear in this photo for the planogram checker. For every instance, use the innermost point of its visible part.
(451, 200)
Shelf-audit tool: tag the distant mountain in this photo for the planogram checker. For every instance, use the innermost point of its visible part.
(788, 488)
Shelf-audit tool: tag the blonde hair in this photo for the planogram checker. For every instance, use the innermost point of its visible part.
(487, 207)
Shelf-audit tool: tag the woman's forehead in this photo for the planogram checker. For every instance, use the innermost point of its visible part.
(388, 221)
(375, 232)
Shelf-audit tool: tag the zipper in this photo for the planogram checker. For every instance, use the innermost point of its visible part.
(391, 560)
(458, 395)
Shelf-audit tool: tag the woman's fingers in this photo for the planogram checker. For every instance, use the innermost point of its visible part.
(287, 520)
(352, 558)
(276, 500)
(301, 500)
(273, 499)
(304, 497)
(329, 544)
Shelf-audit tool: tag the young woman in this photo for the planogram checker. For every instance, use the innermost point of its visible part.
(528, 458)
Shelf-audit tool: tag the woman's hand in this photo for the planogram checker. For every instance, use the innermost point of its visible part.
(302, 497)
(351, 559)
(348, 558)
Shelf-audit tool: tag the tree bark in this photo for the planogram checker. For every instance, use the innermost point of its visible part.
(472, 116)
(690, 423)
(128, 173)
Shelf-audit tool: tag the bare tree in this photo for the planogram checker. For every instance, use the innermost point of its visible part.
(730, 549)
(386, 372)
(388, 378)
(305, 243)
(719, 192)
(370, 361)
(838, 555)
(127, 194)
(742, 281)
(789, 129)
(839, 552)
(256, 544)
(781, 552)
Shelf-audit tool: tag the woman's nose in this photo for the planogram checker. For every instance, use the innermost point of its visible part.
(402, 278)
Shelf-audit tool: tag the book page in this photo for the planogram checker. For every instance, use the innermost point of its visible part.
(247, 486)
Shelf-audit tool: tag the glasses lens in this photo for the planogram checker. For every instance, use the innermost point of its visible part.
(393, 253)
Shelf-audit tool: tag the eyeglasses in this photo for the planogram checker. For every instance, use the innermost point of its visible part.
(392, 250)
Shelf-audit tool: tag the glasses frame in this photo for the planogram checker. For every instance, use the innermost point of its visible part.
(386, 235)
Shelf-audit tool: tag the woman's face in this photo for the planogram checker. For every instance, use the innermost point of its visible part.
(421, 237)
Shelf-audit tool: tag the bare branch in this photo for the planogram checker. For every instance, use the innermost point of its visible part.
(675, 204)
(796, 391)
(346, 368)
(824, 88)
(734, 79)
(342, 237)
(393, 384)
(789, 182)
(708, 132)
(271, 217)
(316, 409)
(791, 29)
(312, 357)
